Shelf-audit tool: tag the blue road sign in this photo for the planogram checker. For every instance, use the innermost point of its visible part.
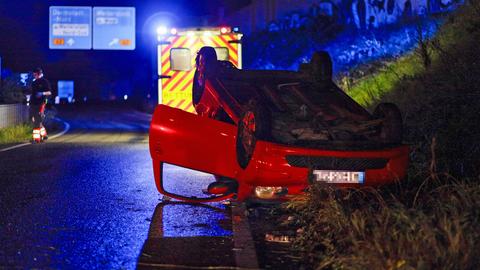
(65, 89)
(70, 28)
(113, 28)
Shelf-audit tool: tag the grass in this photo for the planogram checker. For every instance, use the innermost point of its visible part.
(431, 220)
(373, 87)
(15, 134)
(438, 229)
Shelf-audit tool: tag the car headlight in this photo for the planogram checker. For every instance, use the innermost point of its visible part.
(270, 192)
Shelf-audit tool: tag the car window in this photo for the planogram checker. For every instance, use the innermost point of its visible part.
(180, 59)
(222, 53)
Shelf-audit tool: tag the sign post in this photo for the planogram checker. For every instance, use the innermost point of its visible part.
(113, 28)
(70, 28)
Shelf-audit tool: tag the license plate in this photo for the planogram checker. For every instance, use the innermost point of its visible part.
(339, 177)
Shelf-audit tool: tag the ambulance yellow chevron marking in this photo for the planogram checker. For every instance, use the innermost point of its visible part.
(177, 89)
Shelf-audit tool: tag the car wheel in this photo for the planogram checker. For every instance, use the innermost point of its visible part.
(391, 130)
(254, 125)
(205, 62)
(322, 66)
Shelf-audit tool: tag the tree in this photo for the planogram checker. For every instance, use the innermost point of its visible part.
(12, 90)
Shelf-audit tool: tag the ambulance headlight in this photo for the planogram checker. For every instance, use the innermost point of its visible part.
(162, 30)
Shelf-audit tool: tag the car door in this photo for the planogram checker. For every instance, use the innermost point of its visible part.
(192, 141)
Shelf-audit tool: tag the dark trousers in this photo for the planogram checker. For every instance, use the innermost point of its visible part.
(35, 115)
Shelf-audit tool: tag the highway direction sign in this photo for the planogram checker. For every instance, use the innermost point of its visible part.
(113, 28)
(70, 28)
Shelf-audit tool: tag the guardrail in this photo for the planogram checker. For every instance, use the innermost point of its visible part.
(13, 114)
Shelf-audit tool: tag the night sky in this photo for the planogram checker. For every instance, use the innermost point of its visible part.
(24, 41)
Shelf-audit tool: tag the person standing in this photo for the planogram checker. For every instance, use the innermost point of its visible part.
(40, 91)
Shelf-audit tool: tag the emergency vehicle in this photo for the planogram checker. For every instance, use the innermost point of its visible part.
(177, 50)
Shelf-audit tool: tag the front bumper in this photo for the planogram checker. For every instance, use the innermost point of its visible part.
(279, 165)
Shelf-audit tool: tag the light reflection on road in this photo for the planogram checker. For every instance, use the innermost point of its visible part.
(187, 220)
(87, 200)
(176, 219)
(185, 182)
(188, 235)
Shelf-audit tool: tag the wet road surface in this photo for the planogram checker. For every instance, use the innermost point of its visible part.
(88, 200)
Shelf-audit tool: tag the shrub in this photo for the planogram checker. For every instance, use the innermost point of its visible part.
(12, 90)
(369, 229)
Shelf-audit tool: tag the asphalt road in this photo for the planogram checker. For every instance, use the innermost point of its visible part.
(87, 200)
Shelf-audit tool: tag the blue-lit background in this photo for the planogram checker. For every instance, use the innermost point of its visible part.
(278, 34)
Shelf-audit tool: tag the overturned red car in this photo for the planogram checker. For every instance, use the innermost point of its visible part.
(269, 134)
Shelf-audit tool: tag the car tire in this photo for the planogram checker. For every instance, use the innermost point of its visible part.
(391, 130)
(322, 66)
(254, 124)
(205, 63)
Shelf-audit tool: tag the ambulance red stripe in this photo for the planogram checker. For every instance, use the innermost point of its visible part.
(230, 47)
(179, 81)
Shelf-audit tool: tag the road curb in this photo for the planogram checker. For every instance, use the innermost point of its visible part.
(245, 253)
(65, 130)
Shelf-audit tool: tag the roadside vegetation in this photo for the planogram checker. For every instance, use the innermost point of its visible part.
(11, 90)
(15, 134)
(369, 83)
(431, 220)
